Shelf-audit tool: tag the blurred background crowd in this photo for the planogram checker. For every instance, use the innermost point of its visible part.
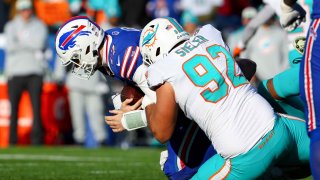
(41, 103)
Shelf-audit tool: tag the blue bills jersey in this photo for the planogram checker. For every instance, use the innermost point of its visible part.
(316, 9)
(122, 52)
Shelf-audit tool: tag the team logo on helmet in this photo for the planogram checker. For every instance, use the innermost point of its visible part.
(68, 39)
(149, 37)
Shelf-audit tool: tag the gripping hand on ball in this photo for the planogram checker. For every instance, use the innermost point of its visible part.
(114, 121)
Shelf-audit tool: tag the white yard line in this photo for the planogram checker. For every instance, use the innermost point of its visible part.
(56, 158)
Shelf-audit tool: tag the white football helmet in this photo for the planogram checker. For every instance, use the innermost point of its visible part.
(158, 37)
(77, 42)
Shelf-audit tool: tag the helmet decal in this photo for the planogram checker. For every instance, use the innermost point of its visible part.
(68, 39)
(158, 38)
(150, 38)
(177, 26)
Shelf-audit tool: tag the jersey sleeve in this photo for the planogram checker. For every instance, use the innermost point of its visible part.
(124, 53)
(212, 34)
(140, 79)
(154, 76)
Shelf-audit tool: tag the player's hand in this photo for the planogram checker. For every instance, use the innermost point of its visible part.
(125, 107)
(292, 17)
(114, 121)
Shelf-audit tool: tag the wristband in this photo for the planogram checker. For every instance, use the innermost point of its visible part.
(134, 120)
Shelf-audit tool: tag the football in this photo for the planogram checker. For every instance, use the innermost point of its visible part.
(131, 91)
(248, 67)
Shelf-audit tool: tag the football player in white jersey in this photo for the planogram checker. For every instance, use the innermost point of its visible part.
(199, 75)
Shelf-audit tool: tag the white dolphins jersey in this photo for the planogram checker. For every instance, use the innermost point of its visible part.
(211, 90)
(303, 28)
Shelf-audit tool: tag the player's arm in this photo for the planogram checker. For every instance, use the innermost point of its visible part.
(12, 44)
(292, 14)
(140, 79)
(162, 115)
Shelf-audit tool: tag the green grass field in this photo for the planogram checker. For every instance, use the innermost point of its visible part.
(76, 163)
(79, 163)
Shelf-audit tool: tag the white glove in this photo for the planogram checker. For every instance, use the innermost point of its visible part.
(163, 158)
(292, 17)
(116, 99)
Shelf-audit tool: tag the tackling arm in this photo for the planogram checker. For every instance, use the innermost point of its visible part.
(162, 116)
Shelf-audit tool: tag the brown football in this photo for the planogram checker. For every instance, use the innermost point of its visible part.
(131, 91)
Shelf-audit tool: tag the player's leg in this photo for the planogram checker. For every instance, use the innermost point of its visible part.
(15, 89)
(296, 165)
(314, 153)
(310, 88)
(298, 131)
(95, 109)
(35, 83)
(76, 99)
(271, 149)
(281, 92)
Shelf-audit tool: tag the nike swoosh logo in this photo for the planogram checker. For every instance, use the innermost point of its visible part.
(118, 63)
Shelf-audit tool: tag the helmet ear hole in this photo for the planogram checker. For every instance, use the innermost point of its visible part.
(158, 51)
(88, 49)
(95, 53)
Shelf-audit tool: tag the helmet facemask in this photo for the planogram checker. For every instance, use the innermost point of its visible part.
(82, 69)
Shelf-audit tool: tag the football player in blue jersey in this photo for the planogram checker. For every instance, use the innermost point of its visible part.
(309, 74)
(82, 43)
